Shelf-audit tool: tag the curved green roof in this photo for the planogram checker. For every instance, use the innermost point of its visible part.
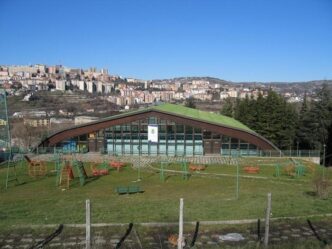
(202, 116)
(182, 111)
(171, 109)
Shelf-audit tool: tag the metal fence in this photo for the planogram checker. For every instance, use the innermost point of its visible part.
(244, 153)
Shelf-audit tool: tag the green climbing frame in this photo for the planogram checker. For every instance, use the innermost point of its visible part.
(81, 171)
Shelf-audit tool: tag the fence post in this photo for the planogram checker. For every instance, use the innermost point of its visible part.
(88, 224)
(267, 220)
(180, 239)
(237, 178)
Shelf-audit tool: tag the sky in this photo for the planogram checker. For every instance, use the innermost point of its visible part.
(237, 40)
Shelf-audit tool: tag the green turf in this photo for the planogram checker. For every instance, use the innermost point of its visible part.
(201, 115)
(206, 197)
(190, 113)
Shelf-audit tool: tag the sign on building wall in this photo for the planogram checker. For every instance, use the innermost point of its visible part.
(153, 133)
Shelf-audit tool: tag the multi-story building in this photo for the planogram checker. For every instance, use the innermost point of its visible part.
(108, 87)
(233, 93)
(60, 85)
(16, 69)
(91, 86)
(224, 95)
(4, 75)
(100, 87)
(82, 85)
(39, 122)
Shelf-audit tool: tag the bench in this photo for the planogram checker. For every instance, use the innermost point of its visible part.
(129, 190)
(251, 169)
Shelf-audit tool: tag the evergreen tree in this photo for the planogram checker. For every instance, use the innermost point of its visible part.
(272, 117)
(190, 103)
(328, 154)
(279, 122)
(253, 114)
(237, 108)
(243, 111)
(228, 108)
(303, 132)
(319, 118)
(288, 122)
(258, 107)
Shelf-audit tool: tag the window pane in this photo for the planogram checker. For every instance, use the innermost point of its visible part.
(234, 141)
(207, 135)
(216, 136)
(189, 137)
(225, 139)
(170, 129)
(179, 129)
(134, 128)
(243, 146)
(152, 120)
(197, 130)
(162, 128)
(189, 129)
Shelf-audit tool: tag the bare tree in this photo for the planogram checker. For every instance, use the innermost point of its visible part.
(26, 136)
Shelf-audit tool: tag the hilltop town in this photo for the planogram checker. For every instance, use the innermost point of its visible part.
(42, 94)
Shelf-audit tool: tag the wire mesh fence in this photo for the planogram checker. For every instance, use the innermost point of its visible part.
(256, 153)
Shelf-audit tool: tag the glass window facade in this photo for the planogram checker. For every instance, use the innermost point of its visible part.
(174, 139)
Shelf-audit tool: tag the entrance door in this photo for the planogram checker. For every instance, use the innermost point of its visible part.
(212, 146)
(92, 145)
(208, 148)
(216, 147)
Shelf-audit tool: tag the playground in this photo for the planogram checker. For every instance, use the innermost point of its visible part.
(57, 191)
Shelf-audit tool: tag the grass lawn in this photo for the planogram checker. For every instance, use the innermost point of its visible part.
(206, 197)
